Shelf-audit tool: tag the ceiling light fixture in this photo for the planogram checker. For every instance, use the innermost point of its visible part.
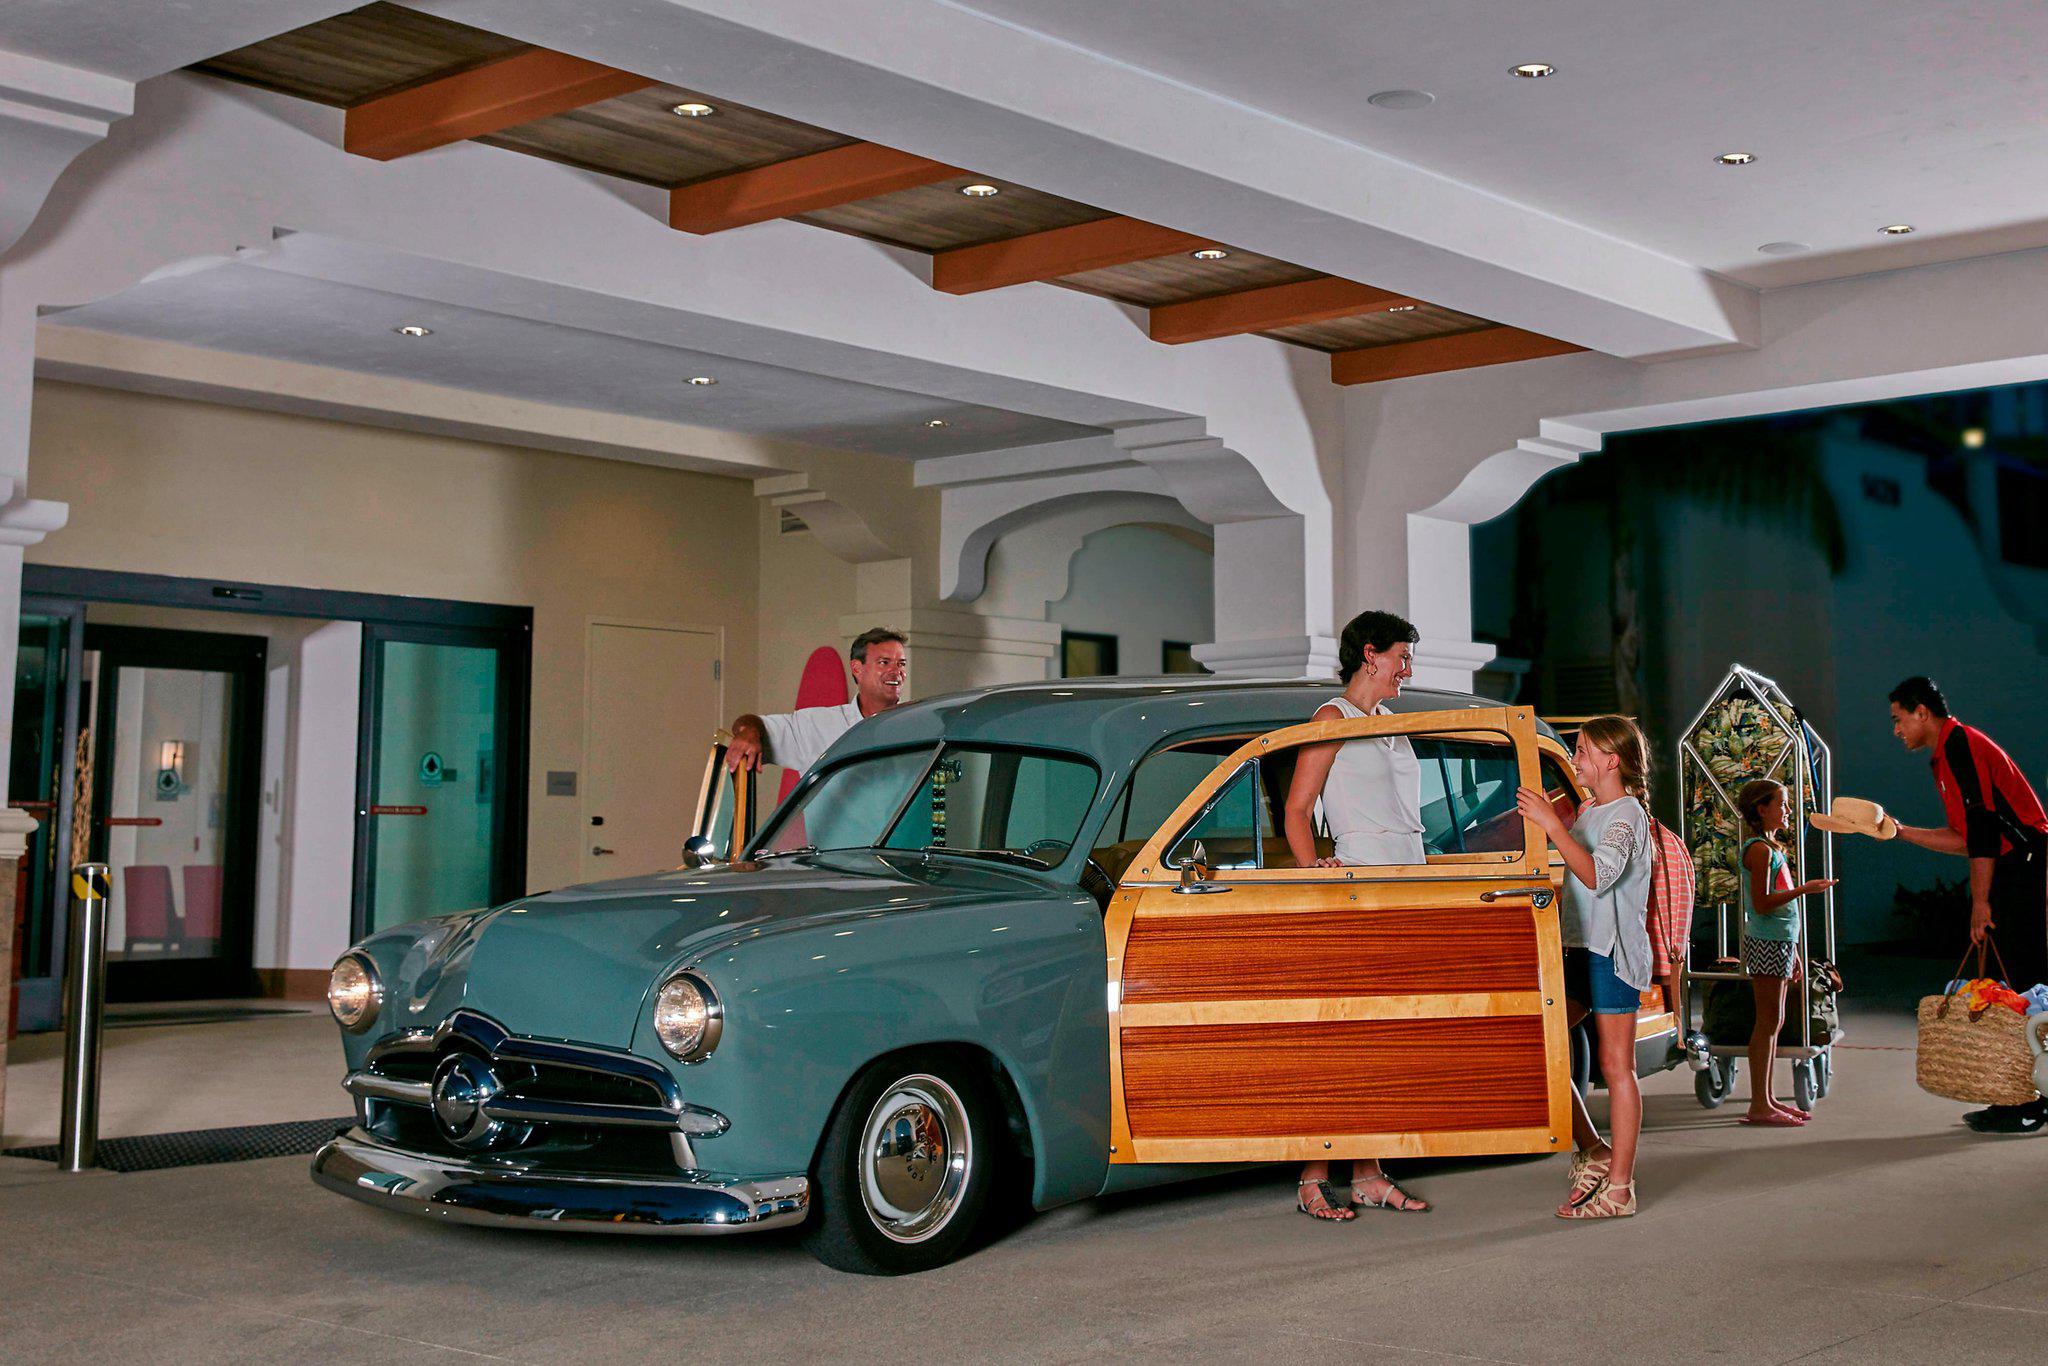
(938, 422)
(1209, 254)
(1973, 437)
(413, 330)
(1534, 70)
(693, 110)
(1784, 248)
(1736, 158)
(702, 381)
(979, 191)
(1401, 99)
(1896, 229)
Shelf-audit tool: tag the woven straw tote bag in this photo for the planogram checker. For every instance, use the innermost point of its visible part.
(1982, 1058)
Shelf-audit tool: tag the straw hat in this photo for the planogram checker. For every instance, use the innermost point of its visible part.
(1854, 816)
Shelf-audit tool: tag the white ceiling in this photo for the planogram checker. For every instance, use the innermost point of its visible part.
(1860, 112)
(253, 310)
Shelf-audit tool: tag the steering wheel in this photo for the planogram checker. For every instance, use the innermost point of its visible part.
(1031, 850)
(1095, 879)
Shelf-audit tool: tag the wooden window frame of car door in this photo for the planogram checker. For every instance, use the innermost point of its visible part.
(1517, 725)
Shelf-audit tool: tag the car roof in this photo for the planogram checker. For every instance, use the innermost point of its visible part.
(1117, 719)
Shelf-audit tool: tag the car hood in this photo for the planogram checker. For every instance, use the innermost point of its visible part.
(578, 963)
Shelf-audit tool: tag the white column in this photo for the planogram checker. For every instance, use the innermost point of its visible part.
(1268, 621)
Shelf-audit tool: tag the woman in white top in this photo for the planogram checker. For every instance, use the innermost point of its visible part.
(1608, 852)
(1371, 794)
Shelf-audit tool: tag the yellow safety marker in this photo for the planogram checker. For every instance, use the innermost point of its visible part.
(89, 884)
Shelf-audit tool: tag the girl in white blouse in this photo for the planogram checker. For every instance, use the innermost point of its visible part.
(1371, 793)
(1607, 855)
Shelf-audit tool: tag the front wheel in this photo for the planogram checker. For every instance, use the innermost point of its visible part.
(903, 1174)
(1802, 1084)
(1713, 1083)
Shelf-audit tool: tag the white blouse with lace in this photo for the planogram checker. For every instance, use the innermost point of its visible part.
(1612, 916)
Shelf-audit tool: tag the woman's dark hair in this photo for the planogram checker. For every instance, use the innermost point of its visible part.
(1919, 691)
(1751, 800)
(1371, 630)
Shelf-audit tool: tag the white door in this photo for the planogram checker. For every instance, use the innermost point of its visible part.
(654, 701)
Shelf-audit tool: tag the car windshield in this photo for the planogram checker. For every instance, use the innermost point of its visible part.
(1013, 805)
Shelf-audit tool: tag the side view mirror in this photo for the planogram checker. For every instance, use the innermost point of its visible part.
(1195, 868)
(698, 850)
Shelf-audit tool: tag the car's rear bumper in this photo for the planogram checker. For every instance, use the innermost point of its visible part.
(358, 1164)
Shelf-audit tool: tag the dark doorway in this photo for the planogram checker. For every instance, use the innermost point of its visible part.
(177, 739)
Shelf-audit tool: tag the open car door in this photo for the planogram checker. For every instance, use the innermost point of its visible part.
(1264, 1012)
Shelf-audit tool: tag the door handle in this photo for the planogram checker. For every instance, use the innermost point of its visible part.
(1540, 895)
(600, 849)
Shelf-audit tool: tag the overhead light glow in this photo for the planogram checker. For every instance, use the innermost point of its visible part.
(702, 381)
(938, 422)
(1402, 308)
(1736, 158)
(1534, 70)
(1973, 437)
(693, 110)
(413, 330)
(979, 191)
(1209, 254)
(1896, 229)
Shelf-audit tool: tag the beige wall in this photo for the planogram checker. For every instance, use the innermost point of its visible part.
(805, 590)
(169, 486)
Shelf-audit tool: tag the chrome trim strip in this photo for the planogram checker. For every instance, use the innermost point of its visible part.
(358, 1165)
(370, 1086)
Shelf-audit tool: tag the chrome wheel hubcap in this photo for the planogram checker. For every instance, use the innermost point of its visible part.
(916, 1158)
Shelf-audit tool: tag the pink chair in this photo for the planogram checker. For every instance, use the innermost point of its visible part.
(146, 906)
(202, 905)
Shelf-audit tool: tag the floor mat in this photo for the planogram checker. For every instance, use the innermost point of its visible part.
(203, 1147)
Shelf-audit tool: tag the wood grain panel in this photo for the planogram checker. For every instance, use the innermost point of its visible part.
(1348, 1078)
(481, 100)
(1176, 276)
(842, 175)
(1316, 953)
(1377, 329)
(938, 217)
(1329, 1009)
(351, 57)
(1435, 355)
(1056, 254)
(1273, 306)
(636, 137)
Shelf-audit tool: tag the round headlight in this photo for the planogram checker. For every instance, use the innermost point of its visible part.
(687, 1017)
(354, 993)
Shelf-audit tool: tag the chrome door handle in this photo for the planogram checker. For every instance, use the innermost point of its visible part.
(1195, 888)
(1540, 895)
(600, 849)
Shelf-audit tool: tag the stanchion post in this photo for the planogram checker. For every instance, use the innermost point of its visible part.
(85, 1003)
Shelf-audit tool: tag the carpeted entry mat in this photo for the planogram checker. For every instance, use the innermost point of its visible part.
(203, 1147)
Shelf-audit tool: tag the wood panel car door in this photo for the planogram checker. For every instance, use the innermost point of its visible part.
(1263, 1012)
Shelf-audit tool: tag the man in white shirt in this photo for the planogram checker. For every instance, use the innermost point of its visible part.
(879, 662)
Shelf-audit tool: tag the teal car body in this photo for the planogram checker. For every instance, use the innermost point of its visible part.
(819, 964)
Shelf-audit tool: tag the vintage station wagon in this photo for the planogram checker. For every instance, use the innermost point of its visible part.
(1034, 943)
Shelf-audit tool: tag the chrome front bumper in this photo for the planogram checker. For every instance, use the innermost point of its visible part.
(360, 1165)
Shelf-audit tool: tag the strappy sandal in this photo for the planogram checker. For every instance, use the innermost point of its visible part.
(1392, 1197)
(1317, 1200)
(1601, 1203)
(1588, 1171)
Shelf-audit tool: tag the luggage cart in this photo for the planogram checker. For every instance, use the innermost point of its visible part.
(1750, 729)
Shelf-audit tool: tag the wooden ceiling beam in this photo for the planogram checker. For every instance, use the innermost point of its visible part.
(1262, 310)
(1055, 253)
(1433, 355)
(805, 184)
(484, 99)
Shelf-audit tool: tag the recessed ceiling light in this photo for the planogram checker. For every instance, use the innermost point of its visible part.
(1784, 248)
(413, 330)
(1209, 254)
(1973, 437)
(979, 191)
(1533, 70)
(1402, 308)
(1401, 99)
(1736, 158)
(693, 110)
(702, 381)
(1896, 229)
(938, 422)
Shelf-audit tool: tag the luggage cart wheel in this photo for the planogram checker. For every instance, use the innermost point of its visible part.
(1802, 1084)
(1823, 1075)
(1713, 1084)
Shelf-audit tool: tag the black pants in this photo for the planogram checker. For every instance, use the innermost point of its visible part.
(2019, 910)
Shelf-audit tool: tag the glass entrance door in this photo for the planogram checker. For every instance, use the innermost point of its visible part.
(442, 727)
(42, 779)
(176, 741)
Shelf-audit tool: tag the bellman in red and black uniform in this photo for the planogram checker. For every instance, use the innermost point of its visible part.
(1996, 821)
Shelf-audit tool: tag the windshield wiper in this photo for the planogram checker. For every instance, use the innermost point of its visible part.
(1003, 855)
(766, 854)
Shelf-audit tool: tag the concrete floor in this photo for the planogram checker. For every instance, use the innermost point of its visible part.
(1882, 1232)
